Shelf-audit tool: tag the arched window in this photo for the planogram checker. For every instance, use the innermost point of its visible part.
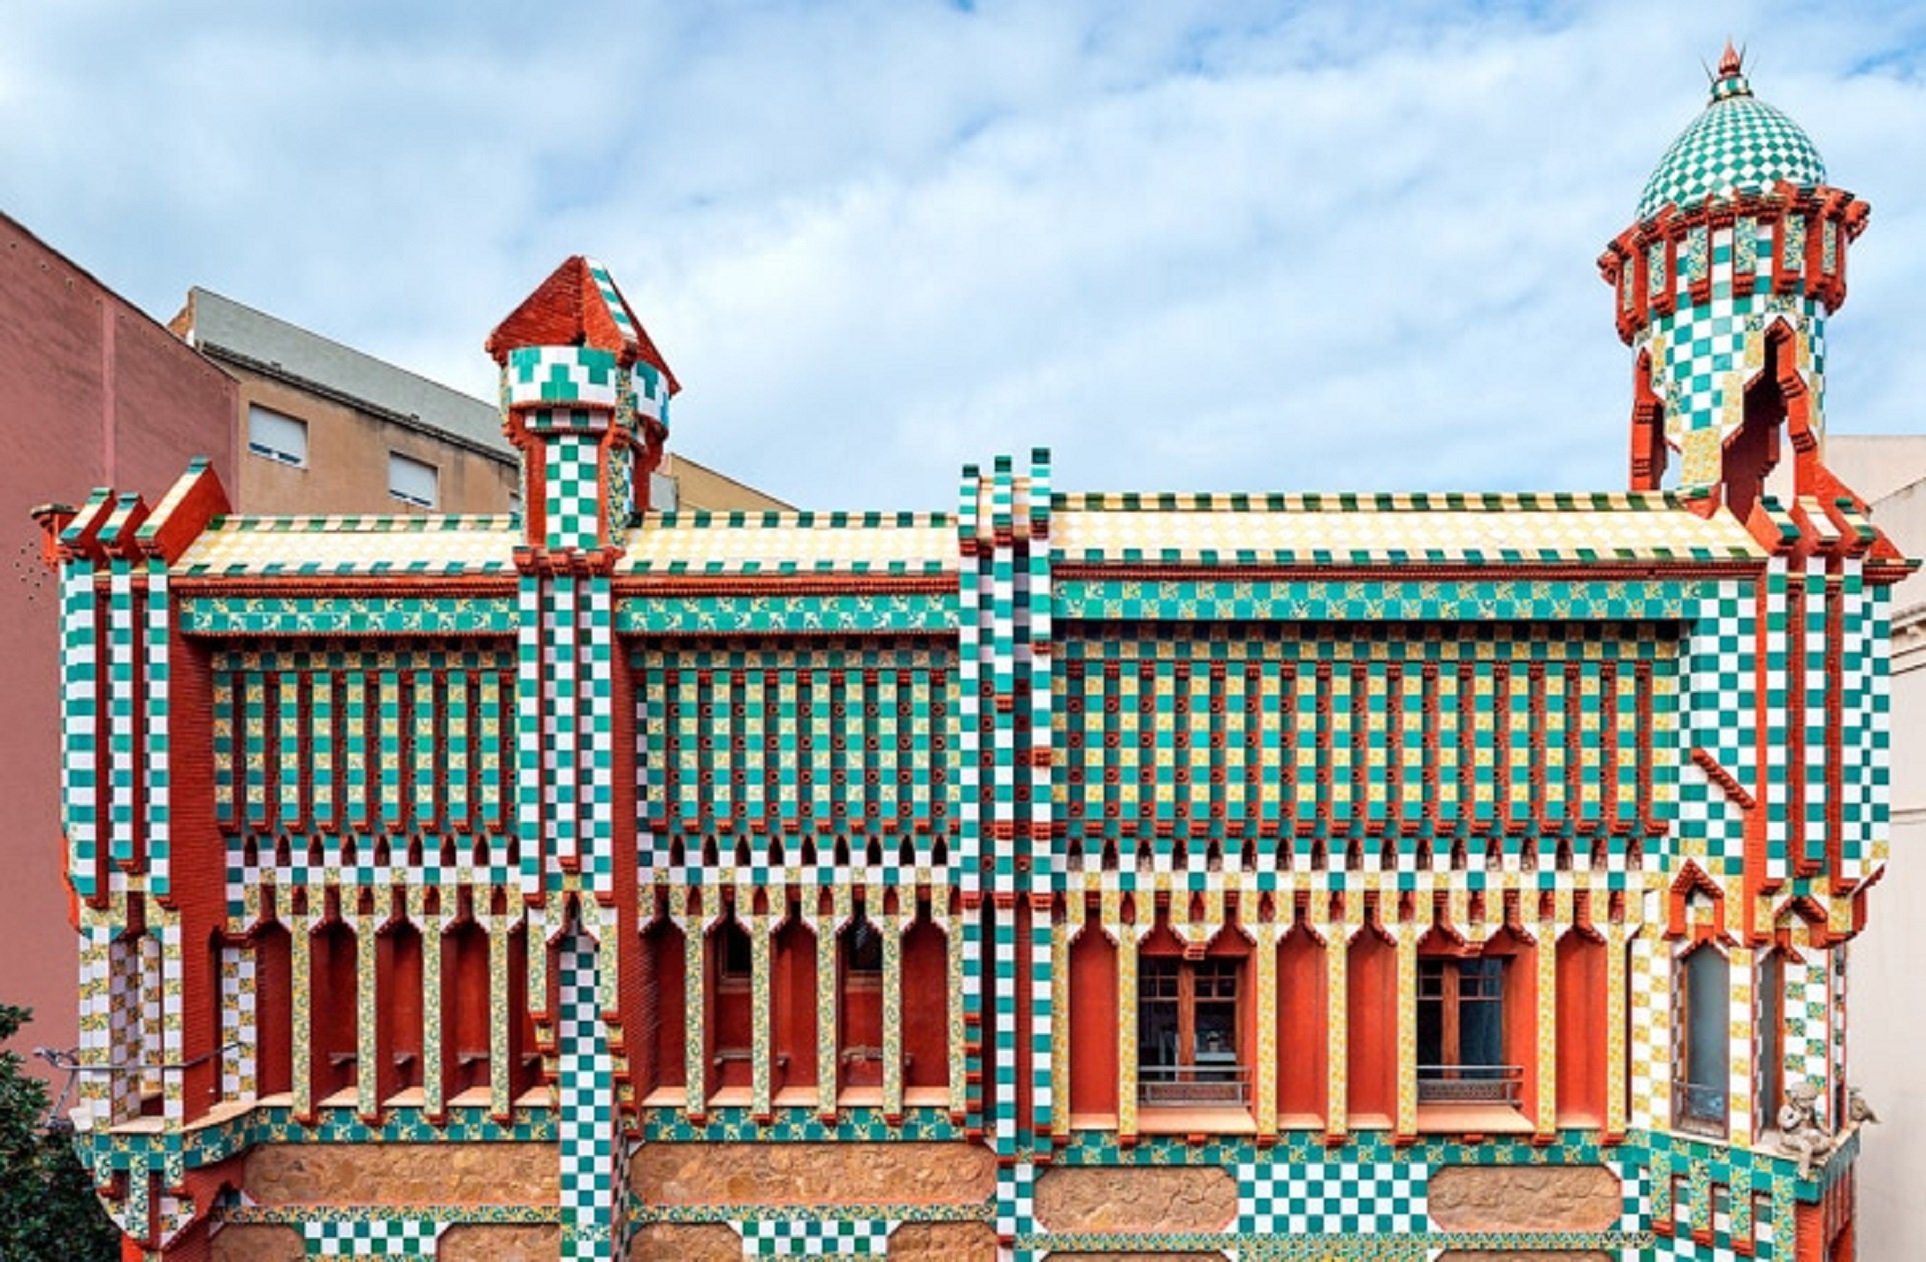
(731, 1020)
(862, 1002)
(1702, 1040)
(1195, 1034)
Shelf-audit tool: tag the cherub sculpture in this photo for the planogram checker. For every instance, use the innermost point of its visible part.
(1802, 1129)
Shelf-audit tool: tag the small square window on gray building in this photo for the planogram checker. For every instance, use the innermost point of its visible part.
(411, 481)
(663, 493)
(277, 437)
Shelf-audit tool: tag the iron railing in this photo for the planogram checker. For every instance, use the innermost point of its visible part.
(1471, 1084)
(1182, 1085)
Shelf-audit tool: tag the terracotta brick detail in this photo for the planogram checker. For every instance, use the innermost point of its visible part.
(812, 1174)
(486, 1242)
(686, 1242)
(253, 1242)
(1525, 1198)
(941, 1242)
(403, 1174)
(1136, 1199)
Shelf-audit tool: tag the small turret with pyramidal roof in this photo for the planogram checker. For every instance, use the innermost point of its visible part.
(1737, 255)
(585, 399)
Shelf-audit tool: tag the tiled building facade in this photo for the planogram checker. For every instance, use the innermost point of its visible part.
(1270, 876)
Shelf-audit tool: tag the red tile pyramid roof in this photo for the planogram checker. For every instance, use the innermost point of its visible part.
(579, 305)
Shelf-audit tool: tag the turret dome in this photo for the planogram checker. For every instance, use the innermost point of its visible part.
(1739, 143)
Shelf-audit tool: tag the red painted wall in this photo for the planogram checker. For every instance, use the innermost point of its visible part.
(95, 392)
(1372, 1038)
(663, 970)
(1093, 1023)
(331, 996)
(1303, 1050)
(464, 1009)
(793, 995)
(398, 1031)
(1581, 1031)
(274, 1008)
(926, 1022)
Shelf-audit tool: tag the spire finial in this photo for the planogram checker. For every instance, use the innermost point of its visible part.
(1730, 81)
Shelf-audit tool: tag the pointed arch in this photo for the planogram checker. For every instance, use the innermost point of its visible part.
(1692, 883)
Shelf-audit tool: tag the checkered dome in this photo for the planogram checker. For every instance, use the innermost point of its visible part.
(1739, 142)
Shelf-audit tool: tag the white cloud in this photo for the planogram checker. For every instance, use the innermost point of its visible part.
(1185, 244)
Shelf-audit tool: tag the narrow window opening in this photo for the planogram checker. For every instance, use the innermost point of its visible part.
(1702, 1051)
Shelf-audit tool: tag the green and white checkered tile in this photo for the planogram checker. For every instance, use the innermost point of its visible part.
(587, 1112)
(612, 298)
(372, 1238)
(651, 392)
(80, 755)
(815, 1237)
(1682, 1248)
(574, 492)
(1335, 1198)
(1739, 142)
(578, 375)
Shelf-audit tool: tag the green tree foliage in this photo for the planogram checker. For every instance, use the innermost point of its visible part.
(47, 1207)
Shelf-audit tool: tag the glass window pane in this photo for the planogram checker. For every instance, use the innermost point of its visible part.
(1216, 1033)
(1707, 1035)
(411, 481)
(1481, 1033)
(1772, 982)
(1431, 1031)
(276, 437)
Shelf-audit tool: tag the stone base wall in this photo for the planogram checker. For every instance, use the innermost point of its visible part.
(686, 1242)
(479, 1242)
(1525, 1198)
(258, 1243)
(1130, 1198)
(940, 1242)
(403, 1174)
(813, 1174)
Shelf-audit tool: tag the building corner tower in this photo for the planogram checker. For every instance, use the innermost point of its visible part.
(585, 399)
(1738, 1049)
(1724, 281)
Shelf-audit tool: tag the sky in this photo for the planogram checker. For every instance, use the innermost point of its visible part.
(1186, 245)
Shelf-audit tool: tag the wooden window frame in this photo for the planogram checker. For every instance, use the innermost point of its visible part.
(1184, 975)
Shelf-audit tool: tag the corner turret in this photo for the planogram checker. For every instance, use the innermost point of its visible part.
(585, 400)
(1724, 282)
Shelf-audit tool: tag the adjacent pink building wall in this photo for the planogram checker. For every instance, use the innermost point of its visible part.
(92, 392)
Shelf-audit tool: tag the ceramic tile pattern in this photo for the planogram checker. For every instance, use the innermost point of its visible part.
(1738, 143)
(1184, 724)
